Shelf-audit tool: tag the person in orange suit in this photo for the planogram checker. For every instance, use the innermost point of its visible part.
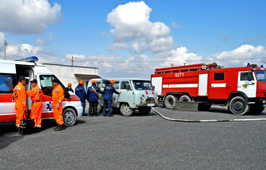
(19, 95)
(57, 97)
(36, 95)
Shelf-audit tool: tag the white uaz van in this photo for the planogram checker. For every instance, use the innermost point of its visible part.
(9, 74)
(135, 94)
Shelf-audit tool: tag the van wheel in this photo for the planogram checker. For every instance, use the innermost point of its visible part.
(126, 110)
(69, 116)
(170, 101)
(184, 98)
(238, 106)
(144, 110)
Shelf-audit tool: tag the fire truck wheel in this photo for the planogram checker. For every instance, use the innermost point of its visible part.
(126, 110)
(69, 116)
(256, 109)
(170, 101)
(144, 110)
(238, 106)
(184, 98)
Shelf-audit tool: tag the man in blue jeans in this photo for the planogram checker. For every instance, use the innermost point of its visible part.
(81, 93)
(108, 98)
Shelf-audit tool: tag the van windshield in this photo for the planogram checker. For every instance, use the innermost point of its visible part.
(261, 75)
(142, 85)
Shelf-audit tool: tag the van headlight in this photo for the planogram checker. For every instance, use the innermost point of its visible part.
(142, 97)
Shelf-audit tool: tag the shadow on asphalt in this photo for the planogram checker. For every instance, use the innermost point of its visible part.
(8, 132)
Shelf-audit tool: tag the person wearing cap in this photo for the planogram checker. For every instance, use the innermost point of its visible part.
(108, 98)
(81, 93)
(19, 95)
(69, 87)
(93, 97)
(57, 97)
(36, 95)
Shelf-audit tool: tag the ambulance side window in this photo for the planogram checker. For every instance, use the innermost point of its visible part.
(218, 76)
(46, 84)
(7, 83)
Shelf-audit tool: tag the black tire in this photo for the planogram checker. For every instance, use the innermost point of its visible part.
(126, 110)
(256, 109)
(204, 106)
(144, 110)
(170, 101)
(238, 106)
(184, 98)
(69, 116)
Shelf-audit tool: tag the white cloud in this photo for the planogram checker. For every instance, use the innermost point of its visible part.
(2, 39)
(16, 51)
(180, 56)
(175, 25)
(132, 27)
(27, 16)
(118, 46)
(241, 55)
(40, 41)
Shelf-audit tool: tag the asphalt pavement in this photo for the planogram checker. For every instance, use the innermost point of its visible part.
(140, 142)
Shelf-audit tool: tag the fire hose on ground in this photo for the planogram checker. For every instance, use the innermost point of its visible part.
(206, 121)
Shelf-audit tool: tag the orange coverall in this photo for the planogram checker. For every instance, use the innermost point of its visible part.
(19, 94)
(36, 95)
(57, 97)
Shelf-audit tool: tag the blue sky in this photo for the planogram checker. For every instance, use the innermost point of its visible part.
(132, 38)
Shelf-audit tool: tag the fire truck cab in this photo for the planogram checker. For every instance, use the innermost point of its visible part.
(241, 89)
(9, 74)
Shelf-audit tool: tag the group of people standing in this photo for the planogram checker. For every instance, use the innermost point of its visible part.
(93, 96)
(20, 97)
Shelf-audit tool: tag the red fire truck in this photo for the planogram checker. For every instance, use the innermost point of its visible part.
(241, 89)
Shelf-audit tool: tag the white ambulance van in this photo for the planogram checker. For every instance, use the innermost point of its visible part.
(9, 74)
(136, 93)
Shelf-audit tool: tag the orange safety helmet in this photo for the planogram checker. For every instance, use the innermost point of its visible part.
(69, 84)
(81, 82)
(112, 82)
(93, 82)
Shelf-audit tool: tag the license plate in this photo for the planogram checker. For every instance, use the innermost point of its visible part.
(151, 104)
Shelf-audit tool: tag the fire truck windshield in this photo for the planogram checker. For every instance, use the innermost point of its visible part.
(142, 85)
(261, 75)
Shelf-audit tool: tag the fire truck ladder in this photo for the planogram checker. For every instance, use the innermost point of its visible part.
(186, 68)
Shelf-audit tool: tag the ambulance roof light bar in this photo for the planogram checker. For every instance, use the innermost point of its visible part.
(29, 59)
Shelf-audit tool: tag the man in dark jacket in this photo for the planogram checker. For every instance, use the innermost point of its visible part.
(108, 98)
(81, 93)
(93, 97)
